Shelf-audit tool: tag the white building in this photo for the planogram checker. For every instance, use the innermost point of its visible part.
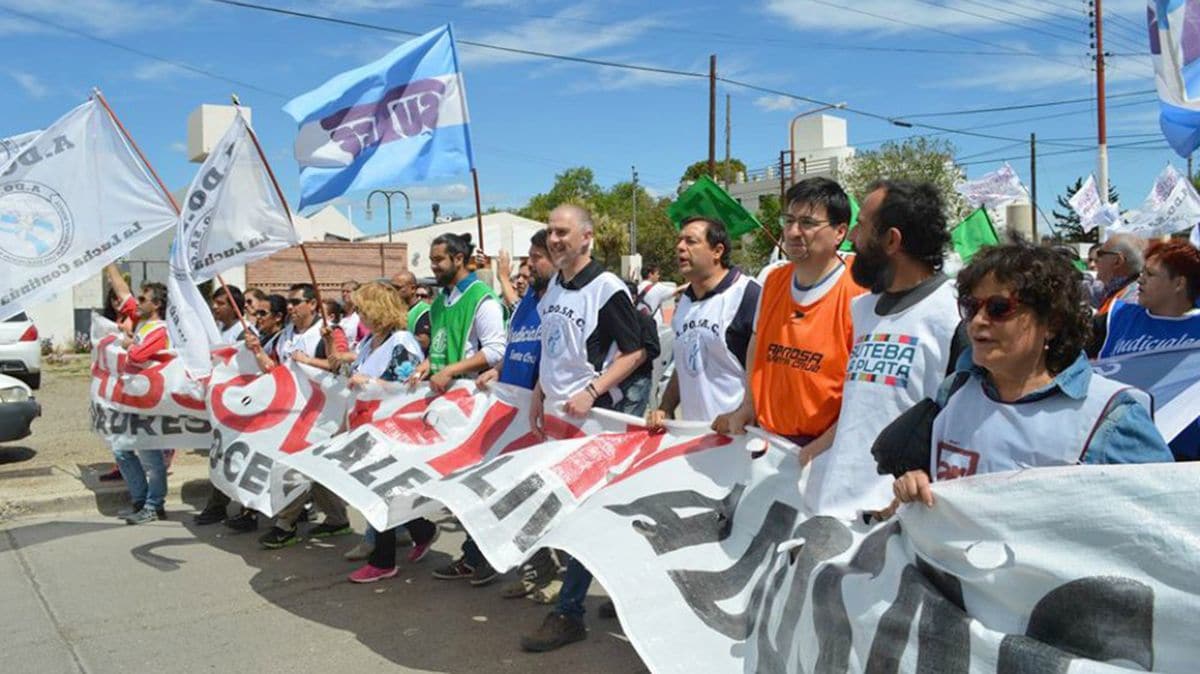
(818, 147)
(501, 230)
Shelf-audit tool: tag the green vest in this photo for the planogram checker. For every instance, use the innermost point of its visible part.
(415, 313)
(450, 325)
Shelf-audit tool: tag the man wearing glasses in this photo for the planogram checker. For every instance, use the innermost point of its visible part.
(803, 331)
(417, 299)
(1119, 261)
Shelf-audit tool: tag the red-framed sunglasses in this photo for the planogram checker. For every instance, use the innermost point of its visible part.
(997, 307)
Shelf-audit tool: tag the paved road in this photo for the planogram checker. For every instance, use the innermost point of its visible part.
(85, 593)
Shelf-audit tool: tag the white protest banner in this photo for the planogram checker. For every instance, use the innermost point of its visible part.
(233, 214)
(259, 418)
(993, 190)
(73, 200)
(153, 405)
(1092, 211)
(401, 440)
(11, 146)
(1172, 206)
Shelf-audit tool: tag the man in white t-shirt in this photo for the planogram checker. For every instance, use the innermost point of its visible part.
(231, 327)
(651, 293)
(907, 337)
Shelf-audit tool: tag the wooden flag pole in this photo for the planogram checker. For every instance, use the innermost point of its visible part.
(478, 208)
(162, 186)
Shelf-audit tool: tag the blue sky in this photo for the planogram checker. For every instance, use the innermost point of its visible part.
(533, 117)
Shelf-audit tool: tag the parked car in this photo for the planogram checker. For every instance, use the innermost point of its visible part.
(18, 409)
(20, 350)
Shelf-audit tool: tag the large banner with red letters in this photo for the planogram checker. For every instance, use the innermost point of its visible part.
(258, 419)
(151, 405)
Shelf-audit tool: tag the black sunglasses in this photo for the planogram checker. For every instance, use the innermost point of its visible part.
(997, 307)
(262, 314)
(292, 301)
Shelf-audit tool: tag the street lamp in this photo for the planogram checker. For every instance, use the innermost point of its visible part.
(387, 195)
(792, 128)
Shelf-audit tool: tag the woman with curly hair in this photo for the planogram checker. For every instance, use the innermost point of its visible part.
(1024, 395)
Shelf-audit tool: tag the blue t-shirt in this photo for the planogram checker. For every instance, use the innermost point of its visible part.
(524, 351)
(1132, 329)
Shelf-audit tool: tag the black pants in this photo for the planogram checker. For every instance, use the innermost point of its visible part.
(384, 554)
(216, 498)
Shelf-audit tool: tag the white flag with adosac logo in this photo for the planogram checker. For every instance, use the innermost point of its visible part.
(1091, 210)
(73, 200)
(993, 190)
(232, 215)
(11, 146)
(1172, 206)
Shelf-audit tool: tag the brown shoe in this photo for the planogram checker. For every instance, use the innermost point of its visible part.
(557, 630)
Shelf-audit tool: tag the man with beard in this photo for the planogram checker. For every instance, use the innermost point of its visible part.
(466, 337)
(907, 337)
(803, 331)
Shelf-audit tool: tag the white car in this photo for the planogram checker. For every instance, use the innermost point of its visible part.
(20, 350)
(18, 409)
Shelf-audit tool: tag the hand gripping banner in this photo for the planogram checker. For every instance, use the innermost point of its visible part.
(259, 419)
(154, 405)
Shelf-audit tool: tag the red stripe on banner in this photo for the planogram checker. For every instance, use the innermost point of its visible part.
(364, 411)
(470, 452)
(585, 467)
(280, 407)
(224, 354)
(408, 430)
(297, 438)
(554, 429)
(701, 444)
(188, 402)
(455, 396)
(151, 397)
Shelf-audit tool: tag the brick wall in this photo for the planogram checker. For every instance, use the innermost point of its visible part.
(333, 262)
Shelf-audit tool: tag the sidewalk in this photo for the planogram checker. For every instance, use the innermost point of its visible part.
(27, 489)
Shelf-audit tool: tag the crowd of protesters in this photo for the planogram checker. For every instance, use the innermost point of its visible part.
(886, 373)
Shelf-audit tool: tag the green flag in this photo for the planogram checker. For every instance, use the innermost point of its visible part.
(846, 246)
(707, 199)
(973, 233)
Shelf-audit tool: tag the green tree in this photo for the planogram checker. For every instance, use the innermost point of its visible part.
(576, 185)
(1066, 220)
(700, 168)
(754, 250)
(610, 241)
(919, 159)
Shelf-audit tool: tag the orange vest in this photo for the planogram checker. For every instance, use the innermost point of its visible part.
(800, 357)
(1123, 293)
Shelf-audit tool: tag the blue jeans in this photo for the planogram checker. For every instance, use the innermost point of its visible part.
(145, 473)
(369, 536)
(635, 392)
(574, 590)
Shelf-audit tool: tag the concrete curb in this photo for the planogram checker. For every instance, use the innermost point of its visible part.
(71, 494)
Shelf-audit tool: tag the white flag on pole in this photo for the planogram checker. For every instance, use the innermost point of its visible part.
(1092, 211)
(1172, 206)
(11, 146)
(74, 199)
(993, 190)
(232, 215)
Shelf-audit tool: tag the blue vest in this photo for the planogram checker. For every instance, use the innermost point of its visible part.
(524, 350)
(1131, 329)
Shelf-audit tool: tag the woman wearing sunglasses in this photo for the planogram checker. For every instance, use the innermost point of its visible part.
(1024, 395)
(270, 318)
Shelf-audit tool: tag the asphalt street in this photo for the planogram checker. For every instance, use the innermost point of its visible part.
(87, 593)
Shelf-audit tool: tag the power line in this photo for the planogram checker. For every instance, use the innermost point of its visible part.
(914, 24)
(1024, 27)
(1026, 106)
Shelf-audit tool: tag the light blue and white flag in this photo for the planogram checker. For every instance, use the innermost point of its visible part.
(1174, 28)
(400, 120)
(1170, 376)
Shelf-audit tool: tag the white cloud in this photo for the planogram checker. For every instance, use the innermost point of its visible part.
(30, 83)
(1073, 71)
(159, 70)
(179, 146)
(101, 17)
(451, 192)
(559, 34)
(902, 16)
(776, 103)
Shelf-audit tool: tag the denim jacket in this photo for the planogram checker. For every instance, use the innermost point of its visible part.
(1126, 433)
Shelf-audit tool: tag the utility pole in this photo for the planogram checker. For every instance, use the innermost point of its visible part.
(1101, 121)
(712, 116)
(728, 127)
(1033, 185)
(633, 222)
